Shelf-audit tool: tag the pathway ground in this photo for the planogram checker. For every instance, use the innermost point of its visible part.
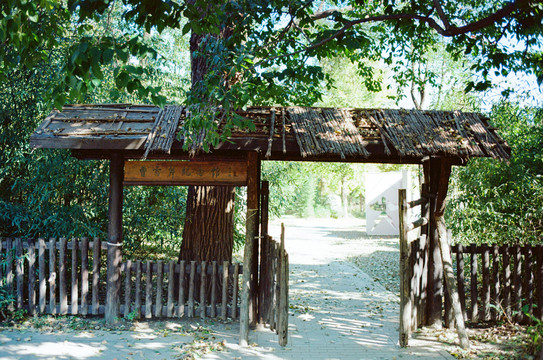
(336, 312)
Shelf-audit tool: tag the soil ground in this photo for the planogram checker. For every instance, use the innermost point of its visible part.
(343, 305)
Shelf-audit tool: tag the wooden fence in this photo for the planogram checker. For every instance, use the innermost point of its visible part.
(496, 281)
(59, 277)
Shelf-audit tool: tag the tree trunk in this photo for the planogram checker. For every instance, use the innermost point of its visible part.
(209, 225)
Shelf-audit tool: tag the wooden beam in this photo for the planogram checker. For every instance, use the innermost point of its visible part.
(247, 304)
(115, 227)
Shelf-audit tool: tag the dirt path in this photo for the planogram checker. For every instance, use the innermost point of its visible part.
(337, 312)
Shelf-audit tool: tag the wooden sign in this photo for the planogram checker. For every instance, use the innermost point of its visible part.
(232, 173)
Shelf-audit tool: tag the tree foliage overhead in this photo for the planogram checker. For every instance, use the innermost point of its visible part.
(272, 53)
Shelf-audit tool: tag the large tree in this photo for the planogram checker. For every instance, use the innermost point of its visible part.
(272, 51)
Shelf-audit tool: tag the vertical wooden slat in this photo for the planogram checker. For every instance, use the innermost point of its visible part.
(203, 290)
(52, 276)
(32, 276)
(539, 281)
(171, 283)
(283, 294)
(62, 288)
(264, 296)
(235, 292)
(213, 289)
(517, 283)
(448, 319)
(224, 298)
(181, 299)
(75, 281)
(485, 309)
(473, 283)
(191, 289)
(41, 275)
(529, 282)
(148, 289)
(137, 291)
(96, 252)
(84, 276)
(461, 280)
(496, 281)
(10, 255)
(19, 272)
(127, 287)
(159, 277)
(506, 280)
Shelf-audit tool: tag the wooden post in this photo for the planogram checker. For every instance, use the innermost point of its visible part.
(473, 284)
(434, 176)
(248, 289)
(283, 295)
(116, 174)
(461, 281)
(264, 295)
(405, 298)
(485, 309)
(451, 284)
(96, 252)
(52, 276)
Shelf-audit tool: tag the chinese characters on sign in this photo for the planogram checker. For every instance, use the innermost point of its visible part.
(185, 173)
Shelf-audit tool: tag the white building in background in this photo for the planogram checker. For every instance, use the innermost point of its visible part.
(382, 215)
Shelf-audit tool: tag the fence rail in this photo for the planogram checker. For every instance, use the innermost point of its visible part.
(68, 277)
(499, 280)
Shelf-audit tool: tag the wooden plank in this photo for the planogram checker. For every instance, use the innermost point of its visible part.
(235, 292)
(96, 247)
(19, 272)
(473, 283)
(449, 279)
(203, 276)
(207, 172)
(137, 291)
(539, 281)
(517, 283)
(495, 295)
(171, 283)
(224, 297)
(213, 289)
(405, 299)
(148, 290)
(127, 287)
(74, 308)
(506, 280)
(32, 276)
(41, 275)
(191, 289)
(52, 276)
(62, 285)
(461, 280)
(181, 298)
(158, 301)
(485, 308)
(84, 276)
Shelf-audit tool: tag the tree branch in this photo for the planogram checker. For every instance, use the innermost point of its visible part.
(442, 15)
